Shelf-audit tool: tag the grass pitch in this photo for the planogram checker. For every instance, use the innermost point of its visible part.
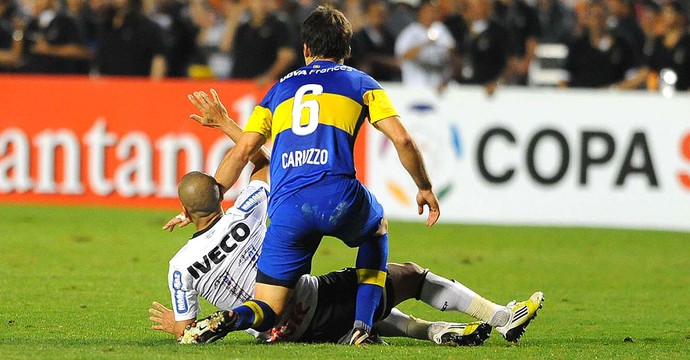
(76, 283)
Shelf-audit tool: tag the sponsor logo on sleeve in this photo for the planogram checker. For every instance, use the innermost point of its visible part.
(180, 295)
(253, 200)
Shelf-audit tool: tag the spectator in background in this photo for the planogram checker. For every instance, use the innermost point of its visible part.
(424, 49)
(670, 51)
(651, 25)
(623, 23)
(354, 11)
(88, 21)
(291, 12)
(556, 21)
(179, 35)
(401, 13)
(580, 11)
(11, 35)
(263, 48)
(600, 57)
(214, 38)
(522, 24)
(487, 52)
(452, 12)
(373, 47)
(53, 42)
(89, 24)
(131, 44)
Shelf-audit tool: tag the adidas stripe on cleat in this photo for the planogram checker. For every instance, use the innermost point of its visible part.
(521, 314)
(358, 336)
(459, 334)
(209, 329)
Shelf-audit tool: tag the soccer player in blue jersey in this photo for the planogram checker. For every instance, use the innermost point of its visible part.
(313, 115)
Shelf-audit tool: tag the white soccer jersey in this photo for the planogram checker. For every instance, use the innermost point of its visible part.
(219, 262)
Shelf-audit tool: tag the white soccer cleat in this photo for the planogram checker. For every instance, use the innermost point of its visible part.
(521, 314)
(462, 334)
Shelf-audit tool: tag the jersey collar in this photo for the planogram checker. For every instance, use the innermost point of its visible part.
(204, 230)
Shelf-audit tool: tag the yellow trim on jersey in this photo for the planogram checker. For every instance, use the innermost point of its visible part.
(371, 276)
(260, 122)
(258, 312)
(380, 106)
(335, 110)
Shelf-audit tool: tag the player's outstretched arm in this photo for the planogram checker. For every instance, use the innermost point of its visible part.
(236, 159)
(215, 115)
(412, 160)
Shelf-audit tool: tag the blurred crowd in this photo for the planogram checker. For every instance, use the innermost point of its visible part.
(630, 44)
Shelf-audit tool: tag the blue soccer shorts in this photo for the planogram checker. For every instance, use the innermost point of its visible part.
(342, 208)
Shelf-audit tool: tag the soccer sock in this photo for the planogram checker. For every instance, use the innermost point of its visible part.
(371, 278)
(254, 314)
(444, 294)
(399, 324)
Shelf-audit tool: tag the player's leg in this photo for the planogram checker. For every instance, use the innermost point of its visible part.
(399, 324)
(366, 227)
(286, 255)
(412, 281)
(370, 265)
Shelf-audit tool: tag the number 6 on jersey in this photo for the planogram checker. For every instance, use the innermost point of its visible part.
(313, 107)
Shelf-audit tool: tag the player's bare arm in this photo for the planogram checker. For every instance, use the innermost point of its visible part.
(236, 159)
(412, 160)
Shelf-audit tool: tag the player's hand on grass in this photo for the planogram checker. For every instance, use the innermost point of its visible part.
(163, 318)
(180, 220)
(213, 112)
(428, 198)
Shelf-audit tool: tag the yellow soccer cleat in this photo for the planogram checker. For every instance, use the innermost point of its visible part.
(459, 334)
(521, 314)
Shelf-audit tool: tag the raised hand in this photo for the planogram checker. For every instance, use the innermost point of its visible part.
(213, 112)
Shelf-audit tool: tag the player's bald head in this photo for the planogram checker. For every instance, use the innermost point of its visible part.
(199, 194)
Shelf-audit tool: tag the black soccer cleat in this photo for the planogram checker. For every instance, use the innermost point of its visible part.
(209, 329)
(358, 336)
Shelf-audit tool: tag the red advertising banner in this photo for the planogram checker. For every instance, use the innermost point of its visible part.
(115, 142)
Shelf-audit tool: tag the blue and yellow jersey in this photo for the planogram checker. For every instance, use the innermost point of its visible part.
(313, 115)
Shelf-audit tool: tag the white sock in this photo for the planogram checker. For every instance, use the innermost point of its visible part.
(444, 294)
(399, 324)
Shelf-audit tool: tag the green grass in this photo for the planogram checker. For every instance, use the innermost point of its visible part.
(76, 283)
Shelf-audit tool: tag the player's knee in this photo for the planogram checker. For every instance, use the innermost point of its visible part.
(383, 228)
(407, 279)
(413, 271)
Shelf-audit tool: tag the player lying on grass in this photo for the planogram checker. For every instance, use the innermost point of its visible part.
(219, 264)
(326, 300)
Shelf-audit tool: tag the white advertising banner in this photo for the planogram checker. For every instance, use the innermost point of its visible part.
(542, 157)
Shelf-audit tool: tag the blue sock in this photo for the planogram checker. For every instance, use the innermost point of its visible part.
(371, 277)
(254, 314)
